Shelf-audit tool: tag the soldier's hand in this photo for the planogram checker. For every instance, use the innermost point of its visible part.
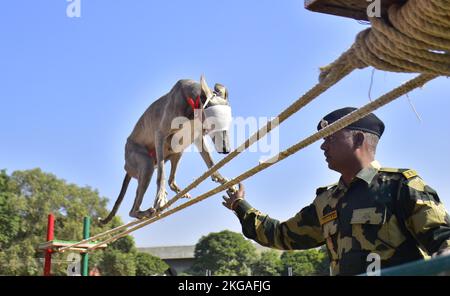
(231, 201)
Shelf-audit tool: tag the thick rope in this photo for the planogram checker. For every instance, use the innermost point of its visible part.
(338, 74)
(323, 133)
(415, 39)
(335, 76)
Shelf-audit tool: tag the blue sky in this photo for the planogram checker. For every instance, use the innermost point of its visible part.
(71, 90)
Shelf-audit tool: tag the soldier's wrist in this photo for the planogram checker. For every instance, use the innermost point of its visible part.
(242, 208)
(235, 203)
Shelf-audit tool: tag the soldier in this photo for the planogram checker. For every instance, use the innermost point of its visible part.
(389, 212)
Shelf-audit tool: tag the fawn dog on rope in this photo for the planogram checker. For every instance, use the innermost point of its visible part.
(165, 130)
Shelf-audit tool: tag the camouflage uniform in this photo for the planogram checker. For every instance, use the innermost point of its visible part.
(391, 212)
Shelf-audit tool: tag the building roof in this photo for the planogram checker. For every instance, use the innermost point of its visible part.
(182, 252)
(170, 252)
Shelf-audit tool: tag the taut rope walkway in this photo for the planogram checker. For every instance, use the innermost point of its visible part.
(325, 132)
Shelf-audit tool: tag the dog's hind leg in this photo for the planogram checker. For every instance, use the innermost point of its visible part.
(145, 169)
(161, 195)
(174, 160)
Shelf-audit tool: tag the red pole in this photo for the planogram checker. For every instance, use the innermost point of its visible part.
(48, 252)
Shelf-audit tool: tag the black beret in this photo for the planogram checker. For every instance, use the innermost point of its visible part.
(370, 123)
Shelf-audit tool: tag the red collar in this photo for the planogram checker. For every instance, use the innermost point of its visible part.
(194, 105)
(152, 154)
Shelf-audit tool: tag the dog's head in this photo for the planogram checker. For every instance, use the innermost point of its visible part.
(217, 115)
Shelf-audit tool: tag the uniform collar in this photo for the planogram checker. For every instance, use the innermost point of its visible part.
(366, 174)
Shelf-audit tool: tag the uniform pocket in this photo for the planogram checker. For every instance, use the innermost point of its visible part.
(369, 228)
(329, 231)
(373, 216)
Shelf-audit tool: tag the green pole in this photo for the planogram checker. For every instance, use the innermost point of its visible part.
(85, 256)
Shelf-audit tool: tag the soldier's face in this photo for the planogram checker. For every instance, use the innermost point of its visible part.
(339, 150)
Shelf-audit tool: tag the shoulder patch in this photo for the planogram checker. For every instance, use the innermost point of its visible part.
(405, 172)
(417, 184)
(323, 189)
(391, 170)
(409, 174)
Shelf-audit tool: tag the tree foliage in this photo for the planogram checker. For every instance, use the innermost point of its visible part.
(224, 253)
(229, 253)
(147, 264)
(268, 264)
(9, 211)
(307, 262)
(117, 263)
(26, 199)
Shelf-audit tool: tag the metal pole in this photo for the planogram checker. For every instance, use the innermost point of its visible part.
(50, 237)
(85, 256)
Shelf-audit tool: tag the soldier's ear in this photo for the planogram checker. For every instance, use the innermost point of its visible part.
(358, 139)
(205, 89)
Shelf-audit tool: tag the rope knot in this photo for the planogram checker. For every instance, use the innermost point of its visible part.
(414, 38)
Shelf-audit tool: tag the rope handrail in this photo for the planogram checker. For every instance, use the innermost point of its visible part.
(323, 133)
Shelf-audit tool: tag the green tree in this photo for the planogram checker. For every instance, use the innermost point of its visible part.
(269, 264)
(115, 263)
(10, 209)
(119, 258)
(307, 262)
(223, 253)
(26, 198)
(125, 245)
(147, 264)
(323, 268)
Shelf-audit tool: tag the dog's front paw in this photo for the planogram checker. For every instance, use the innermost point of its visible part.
(177, 190)
(218, 178)
(161, 199)
(232, 190)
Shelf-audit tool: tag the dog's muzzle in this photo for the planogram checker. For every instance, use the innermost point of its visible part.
(218, 118)
(217, 123)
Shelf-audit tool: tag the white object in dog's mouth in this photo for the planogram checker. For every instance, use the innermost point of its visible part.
(218, 118)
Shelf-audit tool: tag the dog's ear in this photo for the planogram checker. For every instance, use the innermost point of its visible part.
(204, 86)
(221, 91)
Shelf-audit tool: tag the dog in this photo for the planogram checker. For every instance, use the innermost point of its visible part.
(155, 139)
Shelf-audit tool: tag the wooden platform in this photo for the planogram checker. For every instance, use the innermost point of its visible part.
(56, 244)
(356, 9)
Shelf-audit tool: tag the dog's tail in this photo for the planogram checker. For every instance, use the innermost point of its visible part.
(125, 183)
